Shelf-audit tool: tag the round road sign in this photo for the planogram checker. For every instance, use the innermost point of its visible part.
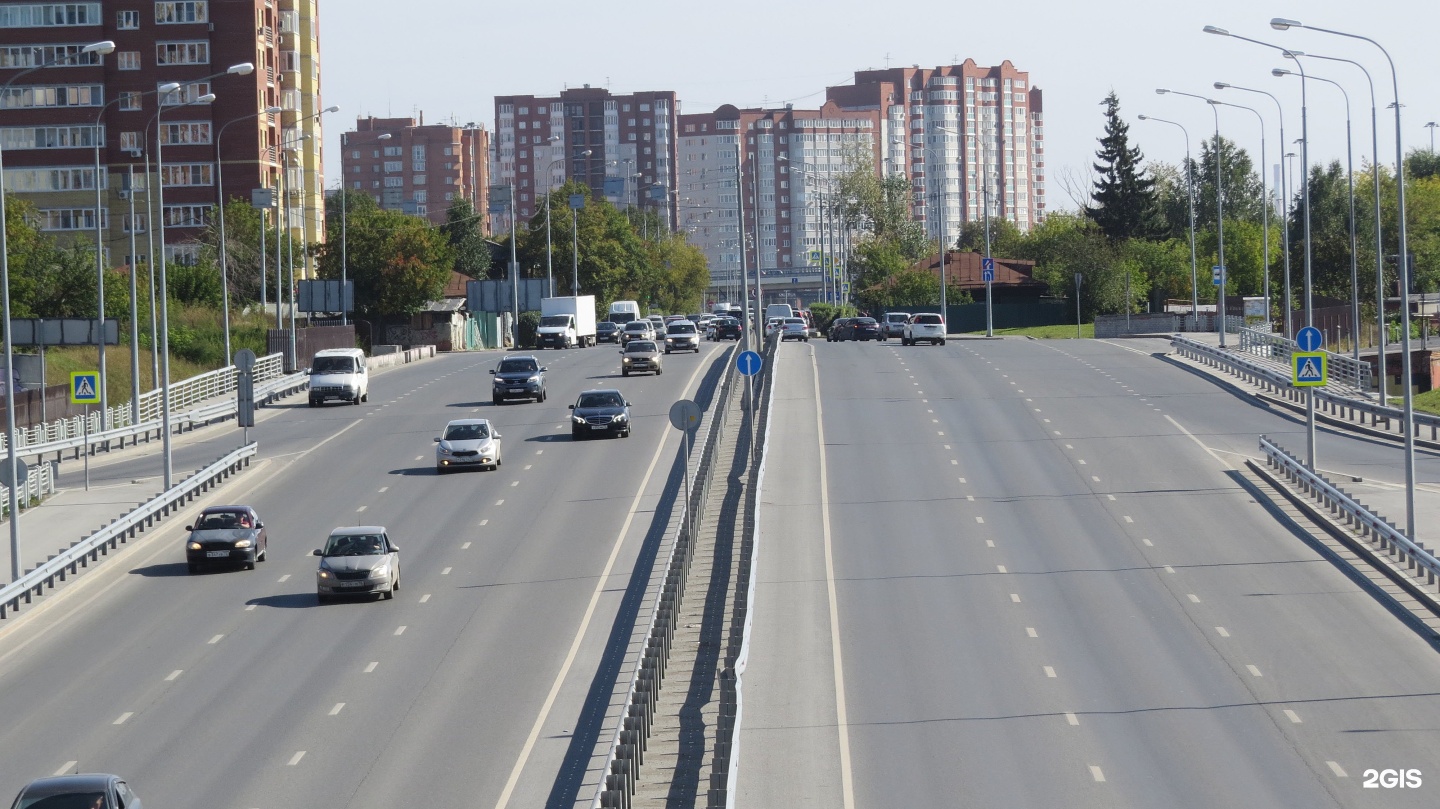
(685, 415)
(245, 360)
(1309, 339)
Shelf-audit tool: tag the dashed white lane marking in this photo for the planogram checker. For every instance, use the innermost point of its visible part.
(1047, 421)
(482, 522)
(1097, 774)
(514, 483)
(1030, 630)
(445, 572)
(946, 446)
(336, 709)
(1015, 597)
(1057, 432)
(1148, 543)
(172, 675)
(1337, 769)
(942, 432)
(1193, 598)
(989, 543)
(419, 457)
(1071, 718)
(954, 462)
(500, 502)
(371, 667)
(1096, 478)
(295, 759)
(1050, 671)
(69, 766)
(980, 519)
(1254, 672)
(1069, 446)
(1169, 569)
(1111, 497)
(529, 465)
(1222, 631)
(539, 452)
(399, 630)
(1001, 569)
(1292, 716)
(123, 717)
(384, 489)
(216, 639)
(1128, 519)
(1038, 410)
(283, 578)
(250, 608)
(424, 598)
(465, 546)
(362, 508)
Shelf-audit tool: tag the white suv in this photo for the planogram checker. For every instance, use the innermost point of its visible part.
(928, 327)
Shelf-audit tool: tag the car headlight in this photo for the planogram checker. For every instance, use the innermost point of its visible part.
(626, 360)
(380, 571)
(244, 543)
(622, 417)
(533, 379)
(194, 546)
(444, 448)
(577, 419)
(323, 573)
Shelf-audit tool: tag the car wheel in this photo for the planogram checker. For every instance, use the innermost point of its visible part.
(942, 342)
(356, 400)
(313, 403)
(192, 568)
(249, 565)
(365, 397)
(496, 400)
(624, 371)
(575, 435)
(659, 371)
(397, 580)
(264, 552)
(323, 598)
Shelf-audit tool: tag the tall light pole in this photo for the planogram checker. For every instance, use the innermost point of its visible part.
(1407, 387)
(747, 322)
(163, 291)
(100, 259)
(220, 209)
(1285, 207)
(1190, 187)
(1431, 126)
(1350, 173)
(1265, 209)
(12, 460)
(1220, 325)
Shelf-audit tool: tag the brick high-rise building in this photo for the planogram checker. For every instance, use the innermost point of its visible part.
(421, 169)
(540, 144)
(49, 124)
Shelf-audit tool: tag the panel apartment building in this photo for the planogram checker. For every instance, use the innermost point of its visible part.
(50, 131)
(417, 168)
(622, 146)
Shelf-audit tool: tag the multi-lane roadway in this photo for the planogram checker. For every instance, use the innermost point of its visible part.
(1028, 574)
(481, 684)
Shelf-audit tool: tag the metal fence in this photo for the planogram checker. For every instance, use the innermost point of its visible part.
(39, 483)
(1344, 369)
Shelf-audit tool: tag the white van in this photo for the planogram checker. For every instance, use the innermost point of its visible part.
(780, 310)
(623, 312)
(339, 373)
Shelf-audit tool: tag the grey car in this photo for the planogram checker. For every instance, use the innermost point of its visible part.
(82, 791)
(467, 442)
(358, 561)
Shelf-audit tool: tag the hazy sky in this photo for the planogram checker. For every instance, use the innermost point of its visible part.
(450, 58)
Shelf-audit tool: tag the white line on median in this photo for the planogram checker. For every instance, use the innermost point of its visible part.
(172, 675)
(1337, 769)
(1097, 774)
(123, 717)
(371, 667)
(337, 708)
(65, 770)
(1071, 718)
(295, 759)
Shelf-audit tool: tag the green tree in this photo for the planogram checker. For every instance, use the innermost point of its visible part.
(398, 262)
(1242, 191)
(1422, 164)
(243, 258)
(1124, 202)
(881, 206)
(462, 230)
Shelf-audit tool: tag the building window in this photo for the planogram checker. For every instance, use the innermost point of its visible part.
(188, 174)
(418, 179)
(182, 53)
(392, 151)
(449, 195)
(130, 101)
(62, 178)
(20, 56)
(127, 20)
(183, 11)
(38, 15)
(71, 219)
(85, 95)
(394, 165)
(186, 132)
(186, 94)
(48, 137)
(130, 142)
(187, 254)
(394, 182)
(128, 60)
(422, 196)
(187, 216)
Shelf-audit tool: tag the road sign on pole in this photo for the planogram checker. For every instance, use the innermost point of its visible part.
(1308, 369)
(685, 415)
(987, 269)
(1309, 339)
(84, 387)
(1216, 273)
(749, 363)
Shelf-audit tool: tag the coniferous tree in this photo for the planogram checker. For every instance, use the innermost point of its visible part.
(1124, 198)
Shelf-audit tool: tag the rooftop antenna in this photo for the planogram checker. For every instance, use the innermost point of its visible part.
(887, 60)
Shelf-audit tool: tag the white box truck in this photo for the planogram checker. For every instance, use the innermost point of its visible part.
(623, 312)
(566, 322)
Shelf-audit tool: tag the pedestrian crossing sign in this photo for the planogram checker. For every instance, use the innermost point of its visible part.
(1308, 369)
(84, 387)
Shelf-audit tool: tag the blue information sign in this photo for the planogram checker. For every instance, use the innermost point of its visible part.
(749, 363)
(987, 276)
(1309, 339)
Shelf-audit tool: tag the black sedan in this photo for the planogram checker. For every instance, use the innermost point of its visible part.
(727, 328)
(859, 328)
(600, 412)
(226, 535)
(81, 791)
(607, 332)
(836, 332)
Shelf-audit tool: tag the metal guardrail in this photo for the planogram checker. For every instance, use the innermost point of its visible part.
(87, 550)
(1344, 369)
(628, 745)
(40, 482)
(1357, 515)
(1270, 379)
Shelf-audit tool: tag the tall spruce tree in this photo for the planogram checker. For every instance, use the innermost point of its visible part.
(1125, 203)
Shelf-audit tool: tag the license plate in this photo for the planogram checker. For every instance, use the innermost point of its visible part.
(214, 554)
(599, 426)
(352, 584)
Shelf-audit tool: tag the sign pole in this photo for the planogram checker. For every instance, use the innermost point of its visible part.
(86, 429)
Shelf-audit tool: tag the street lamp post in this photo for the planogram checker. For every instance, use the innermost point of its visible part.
(1265, 209)
(1431, 126)
(1407, 387)
(1190, 187)
(12, 459)
(220, 209)
(1220, 324)
(1285, 208)
(747, 322)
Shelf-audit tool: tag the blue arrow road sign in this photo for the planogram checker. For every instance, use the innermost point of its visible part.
(987, 264)
(987, 275)
(749, 363)
(1309, 339)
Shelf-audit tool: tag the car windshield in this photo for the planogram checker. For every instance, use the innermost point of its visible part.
(355, 545)
(70, 800)
(865, 321)
(466, 432)
(640, 347)
(604, 398)
(606, 325)
(517, 366)
(638, 326)
(555, 320)
(333, 365)
(220, 520)
(682, 328)
(896, 318)
(794, 321)
(927, 320)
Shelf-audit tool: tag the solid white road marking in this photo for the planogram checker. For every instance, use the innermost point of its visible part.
(337, 708)
(1148, 543)
(424, 598)
(1015, 597)
(1097, 774)
(123, 717)
(295, 759)
(1337, 769)
(1050, 671)
(1030, 630)
(172, 675)
(283, 578)
(1071, 718)
(65, 770)
(399, 630)
(384, 489)
(1001, 569)
(1222, 631)
(216, 639)
(445, 572)
(1193, 597)
(362, 508)
(1292, 716)
(465, 546)
(371, 667)
(1254, 672)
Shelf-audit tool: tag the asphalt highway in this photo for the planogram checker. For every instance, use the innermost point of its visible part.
(476, 686)
(1026, 574)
